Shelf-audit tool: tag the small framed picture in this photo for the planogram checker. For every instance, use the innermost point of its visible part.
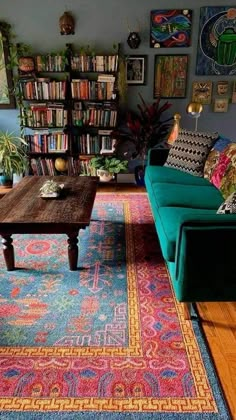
(222, 87)
(221, 104)
(233, 99)
(170, 76)
(136, 69)
(202, 91)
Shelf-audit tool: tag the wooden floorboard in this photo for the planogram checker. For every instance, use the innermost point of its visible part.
(218, 320)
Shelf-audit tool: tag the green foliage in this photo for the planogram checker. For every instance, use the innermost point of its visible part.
(109, 163)
(146, 128)
(13, 157)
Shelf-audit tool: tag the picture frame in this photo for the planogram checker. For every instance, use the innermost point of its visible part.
(214, 55)
(221, 104)
(7, 99)
(170, 76)
(202, 91)
(136, 69)
(233, 98)
(170, 28)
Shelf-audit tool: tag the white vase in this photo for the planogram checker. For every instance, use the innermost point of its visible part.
(16, 179)
(104, 176)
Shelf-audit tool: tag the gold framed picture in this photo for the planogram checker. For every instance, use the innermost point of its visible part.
(221, 104)
(202, 92)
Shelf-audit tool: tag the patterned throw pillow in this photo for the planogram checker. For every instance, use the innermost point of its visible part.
(229, 205)
(189, 152)
(214, 157)
(228, 180)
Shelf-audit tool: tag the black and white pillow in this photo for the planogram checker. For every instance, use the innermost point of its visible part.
(229, 205)
(190, 150)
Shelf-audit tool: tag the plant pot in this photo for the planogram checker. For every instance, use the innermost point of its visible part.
(5, 181)
(139, 172)
(104, 176)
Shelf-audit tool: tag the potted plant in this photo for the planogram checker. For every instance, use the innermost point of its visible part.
(106, 166)
(143, 130)
(146, 128)
(13, 159)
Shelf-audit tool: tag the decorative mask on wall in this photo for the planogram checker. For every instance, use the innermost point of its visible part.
(67, 24)
(133, 40)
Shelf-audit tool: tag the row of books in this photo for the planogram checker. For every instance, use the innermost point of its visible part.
(92, 89)
(50, 63)
(85, 168)
(95, 116)
(38, 90)
(46, 166)
(43, 115)
(95, 144)
(47, 142)
(97, 63)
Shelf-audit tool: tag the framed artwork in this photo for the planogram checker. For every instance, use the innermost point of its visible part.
(170, 28)
(136, 69)
(216, 43)
(221, 104)
(7, 99)
(222, 87)
(170, 76)
(233, 99)
(202, 91)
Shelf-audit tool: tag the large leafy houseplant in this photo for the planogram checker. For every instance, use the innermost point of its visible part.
(13, 158)
(106, 166)
(146, 128)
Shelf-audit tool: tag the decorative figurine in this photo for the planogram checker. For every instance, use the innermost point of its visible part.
(67, 24)
(133, 40)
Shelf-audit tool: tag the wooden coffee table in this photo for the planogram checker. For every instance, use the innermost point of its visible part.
(22, 210)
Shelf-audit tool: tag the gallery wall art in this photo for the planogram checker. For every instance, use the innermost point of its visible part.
(217, 41)
(170, 76)
(136, 69)
(7, 100)
(170, 28)
(201, 92)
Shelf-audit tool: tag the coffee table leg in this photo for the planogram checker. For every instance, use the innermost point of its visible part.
(73, 250)
(8, 252)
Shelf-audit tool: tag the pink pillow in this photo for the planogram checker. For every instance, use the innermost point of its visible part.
(220, 170)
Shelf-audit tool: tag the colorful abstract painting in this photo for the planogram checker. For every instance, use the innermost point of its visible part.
(217, 41)
(170, 28)
(170, 76)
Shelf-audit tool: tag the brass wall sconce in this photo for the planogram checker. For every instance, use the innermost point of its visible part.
(67, 24)
(194, 110)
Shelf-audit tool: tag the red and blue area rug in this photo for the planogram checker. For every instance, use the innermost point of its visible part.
(108, 341)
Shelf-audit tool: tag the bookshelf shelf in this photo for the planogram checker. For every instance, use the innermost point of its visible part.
(69, 110)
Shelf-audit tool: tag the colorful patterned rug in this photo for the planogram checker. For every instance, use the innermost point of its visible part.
(108, 341)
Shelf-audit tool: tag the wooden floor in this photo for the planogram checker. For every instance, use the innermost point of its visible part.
(219, 325)
(218, 322)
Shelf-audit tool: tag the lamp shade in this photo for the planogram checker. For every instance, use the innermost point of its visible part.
(194, 110)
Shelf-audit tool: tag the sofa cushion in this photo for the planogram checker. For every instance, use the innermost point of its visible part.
(171, 175)
(214, 156)
(192, 196)
(228, 206)
(168, 225)
(189, 152)
(228, 180)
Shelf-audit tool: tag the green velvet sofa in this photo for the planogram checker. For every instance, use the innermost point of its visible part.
(198, 245)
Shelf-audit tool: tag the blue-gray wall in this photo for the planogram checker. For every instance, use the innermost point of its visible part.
(104, 22)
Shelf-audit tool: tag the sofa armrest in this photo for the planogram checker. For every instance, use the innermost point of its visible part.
(157, 156)
(205, 268)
